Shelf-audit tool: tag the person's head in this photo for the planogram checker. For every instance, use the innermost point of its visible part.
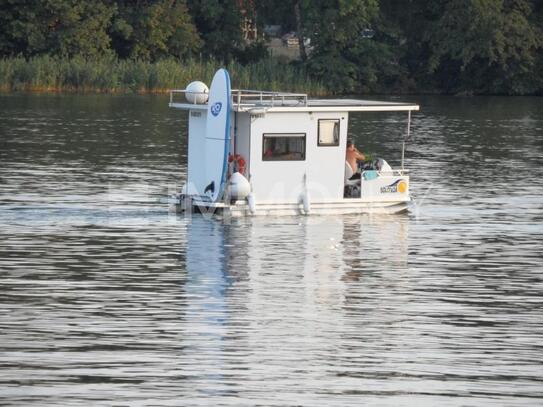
(350, 144)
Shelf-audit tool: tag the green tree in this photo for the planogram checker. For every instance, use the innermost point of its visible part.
(55, 27)
(219, 24)
(335, 29)
(277, 12)
(485, 46)
(406, 24)
(149, 30)
(538, 22)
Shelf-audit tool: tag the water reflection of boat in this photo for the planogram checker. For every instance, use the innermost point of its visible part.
(257, 283)
(294, 264)
(263, 297)
(261, 153)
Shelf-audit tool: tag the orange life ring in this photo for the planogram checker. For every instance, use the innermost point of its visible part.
(239, 162)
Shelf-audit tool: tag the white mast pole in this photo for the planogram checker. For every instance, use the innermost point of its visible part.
(407, 136)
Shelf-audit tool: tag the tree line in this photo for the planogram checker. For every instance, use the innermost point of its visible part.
(351, 46)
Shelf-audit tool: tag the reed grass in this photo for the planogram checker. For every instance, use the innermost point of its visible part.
(45, 73)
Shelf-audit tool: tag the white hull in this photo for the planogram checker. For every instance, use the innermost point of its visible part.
(241, 208)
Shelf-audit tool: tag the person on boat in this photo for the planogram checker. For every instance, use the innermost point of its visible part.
(353, 156)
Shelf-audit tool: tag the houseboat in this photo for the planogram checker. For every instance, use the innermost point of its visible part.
(276, 153)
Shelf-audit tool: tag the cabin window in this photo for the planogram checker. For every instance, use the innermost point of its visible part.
(283, 147)
(328, 132)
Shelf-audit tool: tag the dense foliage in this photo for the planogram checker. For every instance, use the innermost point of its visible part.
(46, 73)
(447, 46)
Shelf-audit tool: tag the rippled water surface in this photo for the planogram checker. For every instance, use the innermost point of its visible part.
(109, 299)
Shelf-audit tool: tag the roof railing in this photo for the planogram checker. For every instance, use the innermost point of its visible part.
(174, 92)
(249, 98)
(244, 98)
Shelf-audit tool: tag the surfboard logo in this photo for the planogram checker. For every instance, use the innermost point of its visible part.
(216, 108)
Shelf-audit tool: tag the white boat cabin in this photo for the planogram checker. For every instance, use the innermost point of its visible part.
(289, 150)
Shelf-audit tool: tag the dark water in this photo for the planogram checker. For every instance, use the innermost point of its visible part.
(108, 299)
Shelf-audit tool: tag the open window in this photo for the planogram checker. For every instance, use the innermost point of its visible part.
(283, 147)
(328, 132)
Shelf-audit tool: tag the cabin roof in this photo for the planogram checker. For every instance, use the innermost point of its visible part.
(260, 102)
(351, 105)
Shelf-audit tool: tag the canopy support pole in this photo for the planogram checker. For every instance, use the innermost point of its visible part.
(407, 136)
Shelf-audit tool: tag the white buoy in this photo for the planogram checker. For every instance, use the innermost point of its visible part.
(197, 92)
(251, 202)
(306, 201)
(305, 198)
(239, 187)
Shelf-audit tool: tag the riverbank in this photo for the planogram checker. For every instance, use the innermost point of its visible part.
(112, 75)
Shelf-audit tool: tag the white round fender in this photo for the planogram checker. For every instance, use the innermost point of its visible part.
(251, 202)
(305, 198)
(239, 187)
(306, 201)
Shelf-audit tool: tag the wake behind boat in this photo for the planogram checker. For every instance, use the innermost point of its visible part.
(275, 153)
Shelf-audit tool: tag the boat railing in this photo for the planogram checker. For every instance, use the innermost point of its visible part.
(174, 92)
(245, 98)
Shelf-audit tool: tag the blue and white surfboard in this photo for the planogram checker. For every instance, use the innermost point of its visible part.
(217, 138)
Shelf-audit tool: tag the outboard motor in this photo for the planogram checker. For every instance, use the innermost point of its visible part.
(382, 166)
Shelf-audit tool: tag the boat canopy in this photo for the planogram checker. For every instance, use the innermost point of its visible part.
(256, 102)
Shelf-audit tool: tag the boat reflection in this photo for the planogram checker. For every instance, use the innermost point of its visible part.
(256, 283)
(316, 256)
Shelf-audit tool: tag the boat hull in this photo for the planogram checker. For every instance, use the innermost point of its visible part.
(242, 209)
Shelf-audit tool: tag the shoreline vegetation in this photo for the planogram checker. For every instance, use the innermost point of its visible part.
(113, 75)
(453, 47)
